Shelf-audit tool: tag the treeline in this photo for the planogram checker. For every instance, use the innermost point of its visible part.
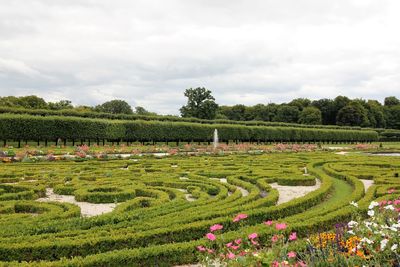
(201, 107)
(34, 102)
(51, 128)
(339, 111)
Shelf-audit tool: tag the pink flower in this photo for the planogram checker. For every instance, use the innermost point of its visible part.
(234, 247)
(210, 236)
(216, 227)
(201, 248)
(302, 264)
(239, 217)
(211, 251)
(242, 253)
(280, 226)
(275, 238)
(396, 202)
(269, 223)
(391, 191)
(229, 245)
(238, 241)
(230, 255)
(253, 235)
(254, 242)
(275, 264)
(291, 254)
(293, 236)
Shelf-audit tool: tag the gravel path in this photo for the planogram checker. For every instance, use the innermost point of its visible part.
(87, 209)
(287, 193)
(367, 183)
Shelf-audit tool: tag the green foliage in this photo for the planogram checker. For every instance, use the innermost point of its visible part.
(353, 114)
(310, 115)
(115, 107)
(157, 225)
(201, 104)
(287, 113)
(26, 127)
(391, 101)
(62, 104)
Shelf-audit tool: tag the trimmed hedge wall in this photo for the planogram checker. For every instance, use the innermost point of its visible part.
(170, 118)
(27, 127)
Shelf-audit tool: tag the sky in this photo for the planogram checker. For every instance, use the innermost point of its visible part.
(148, 52)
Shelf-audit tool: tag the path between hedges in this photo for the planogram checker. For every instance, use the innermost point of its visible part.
(87, 209)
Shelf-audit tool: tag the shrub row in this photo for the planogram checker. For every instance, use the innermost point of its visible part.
(26, 127)
(170, 118)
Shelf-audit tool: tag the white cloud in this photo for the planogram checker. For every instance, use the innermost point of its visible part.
(148, 52)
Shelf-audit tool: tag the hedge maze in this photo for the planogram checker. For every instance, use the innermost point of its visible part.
(165, 205)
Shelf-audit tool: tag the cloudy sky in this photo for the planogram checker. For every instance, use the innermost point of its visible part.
(246, 51)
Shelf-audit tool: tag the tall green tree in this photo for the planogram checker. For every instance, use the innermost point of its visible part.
(201, 104)
(353, 114)
(392, 115)
(286, 113)
(328, 110)
(391, 101)
(300, 103)
(310, 115)
(115, 107)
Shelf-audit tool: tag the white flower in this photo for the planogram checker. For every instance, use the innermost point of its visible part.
(371, 213)
(373, 205)
(354, 204)
(366, 240)
(394, 247)
(397, 225)
(384, 243)
(351, 224)
(389, 207)
(351, 232)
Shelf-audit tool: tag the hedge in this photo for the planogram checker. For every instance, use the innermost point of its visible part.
(167, 118)
(27, 127)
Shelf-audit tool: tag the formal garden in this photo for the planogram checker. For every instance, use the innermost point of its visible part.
(237, 205)
(77, 191)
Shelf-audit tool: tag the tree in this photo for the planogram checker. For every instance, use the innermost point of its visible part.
(353, 114)
(201, 104)
(300, 103)
(32, 102)
(142, 111)
(376, 114)
(115, 107)
(392, 115)
(310, 115)
(287, 113)
(392, 101)
(62, 104)
(238, 113)
(328, 111)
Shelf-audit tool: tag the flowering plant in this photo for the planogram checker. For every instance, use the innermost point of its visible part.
(248, 250)
(373, 241)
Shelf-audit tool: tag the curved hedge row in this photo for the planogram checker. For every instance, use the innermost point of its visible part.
(27, 127)
(158, 226)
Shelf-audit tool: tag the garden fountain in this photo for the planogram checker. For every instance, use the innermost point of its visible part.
(215, 140)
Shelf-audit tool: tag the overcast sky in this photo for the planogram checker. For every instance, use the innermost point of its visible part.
(148, 52)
